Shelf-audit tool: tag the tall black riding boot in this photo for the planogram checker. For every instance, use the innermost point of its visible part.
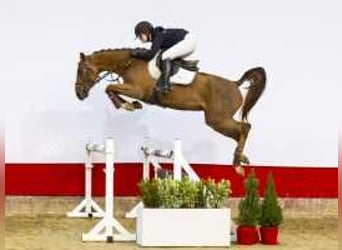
(163, 83)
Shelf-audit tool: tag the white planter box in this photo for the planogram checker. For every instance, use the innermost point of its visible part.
(183, 227)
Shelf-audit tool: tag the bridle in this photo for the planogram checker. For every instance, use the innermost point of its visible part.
(120, 71)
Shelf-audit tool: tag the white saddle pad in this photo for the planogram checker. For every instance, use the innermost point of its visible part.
(183, 76)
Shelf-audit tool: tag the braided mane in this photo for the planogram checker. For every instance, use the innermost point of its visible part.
(111, 50)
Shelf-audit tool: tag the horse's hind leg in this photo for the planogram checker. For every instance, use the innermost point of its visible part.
(239, 157)
(236, 130)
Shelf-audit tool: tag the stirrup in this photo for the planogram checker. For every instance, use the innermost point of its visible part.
(169, 86)
(164, 87)
(165, 90)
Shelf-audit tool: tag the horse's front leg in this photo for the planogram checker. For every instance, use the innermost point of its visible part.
(130, 90)
(115, 98)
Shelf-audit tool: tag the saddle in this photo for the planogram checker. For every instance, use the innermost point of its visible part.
(178, 63)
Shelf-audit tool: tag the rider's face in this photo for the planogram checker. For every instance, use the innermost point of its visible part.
(143, 37)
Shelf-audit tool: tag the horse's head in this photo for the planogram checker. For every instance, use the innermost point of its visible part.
(87, 75)
(89, 68)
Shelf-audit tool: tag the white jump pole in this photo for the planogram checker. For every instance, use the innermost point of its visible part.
(179, 164)
(176, 155)
(104, 229)
(88, 208)
(146, 163)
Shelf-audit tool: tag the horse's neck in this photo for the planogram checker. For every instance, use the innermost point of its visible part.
(111, 61)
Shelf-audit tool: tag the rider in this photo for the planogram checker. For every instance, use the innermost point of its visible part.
(174, 43)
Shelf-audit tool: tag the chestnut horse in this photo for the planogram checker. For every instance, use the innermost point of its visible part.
(218, 97)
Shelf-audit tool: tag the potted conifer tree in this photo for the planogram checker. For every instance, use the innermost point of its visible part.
(271, 214)
(249, 212)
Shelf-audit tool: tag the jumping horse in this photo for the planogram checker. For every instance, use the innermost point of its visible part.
(218, 97)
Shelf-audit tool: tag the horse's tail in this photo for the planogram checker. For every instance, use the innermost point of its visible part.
(257, 79)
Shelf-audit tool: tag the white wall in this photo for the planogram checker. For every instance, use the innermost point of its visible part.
(294, 123)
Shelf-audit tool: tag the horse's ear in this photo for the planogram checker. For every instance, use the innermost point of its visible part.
(82, 56)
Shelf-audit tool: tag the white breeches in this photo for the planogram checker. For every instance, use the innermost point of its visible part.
(182, 49)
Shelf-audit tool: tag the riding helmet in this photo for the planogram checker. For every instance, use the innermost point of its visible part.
(143, 27)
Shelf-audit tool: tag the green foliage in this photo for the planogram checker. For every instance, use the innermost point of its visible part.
(201, 199)
(185, 193)
(216, 193)
(271, 212)
(249, 206)
(169, 193)
(149, 193)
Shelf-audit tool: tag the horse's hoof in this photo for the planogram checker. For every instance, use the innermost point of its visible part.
(244, 159)
(137, 105)
(240, 170)
(128, 106)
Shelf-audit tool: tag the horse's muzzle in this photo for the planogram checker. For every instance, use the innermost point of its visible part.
(81, 91)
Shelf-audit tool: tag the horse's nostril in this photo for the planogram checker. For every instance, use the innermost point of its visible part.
(79, 92)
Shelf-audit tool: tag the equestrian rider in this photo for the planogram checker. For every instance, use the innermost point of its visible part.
(174, 44)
